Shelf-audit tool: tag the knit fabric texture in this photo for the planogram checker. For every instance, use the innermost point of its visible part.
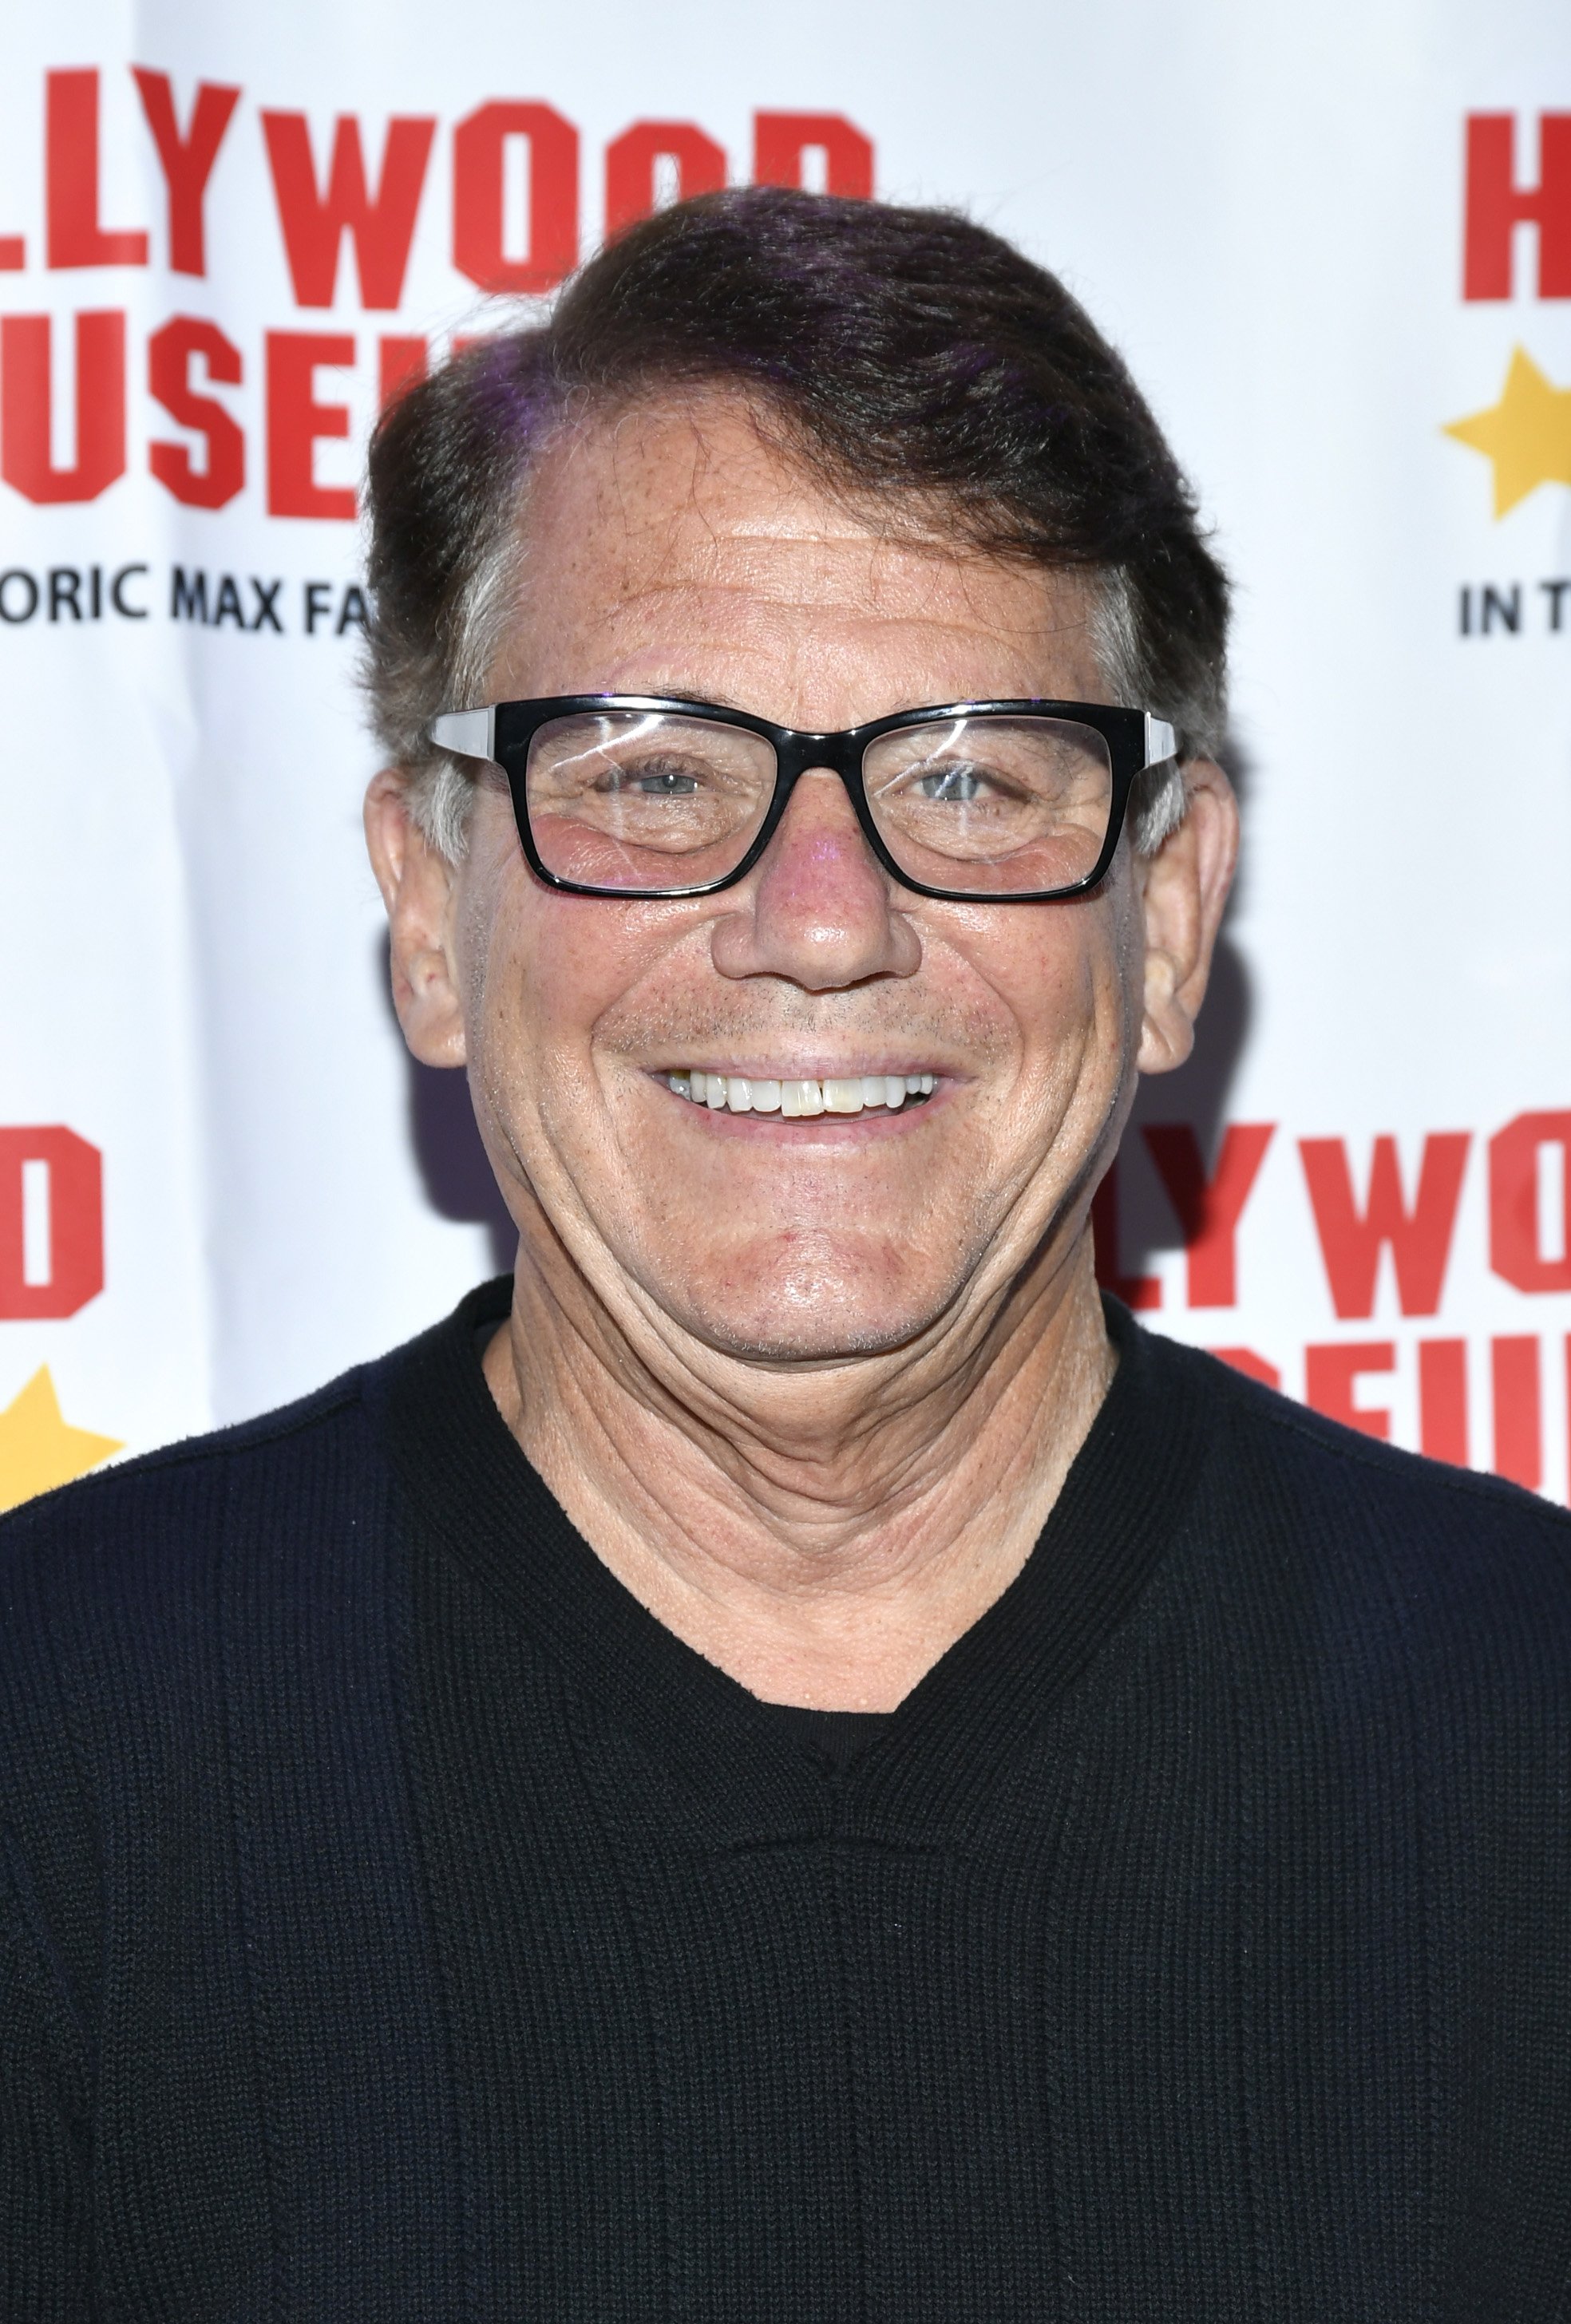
(396, 1921)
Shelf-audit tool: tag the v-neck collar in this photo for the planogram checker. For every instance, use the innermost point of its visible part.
(480, 1502)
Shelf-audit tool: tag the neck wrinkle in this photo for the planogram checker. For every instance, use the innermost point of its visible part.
(847, 1557)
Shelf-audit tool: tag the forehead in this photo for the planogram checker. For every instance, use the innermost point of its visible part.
(674, 548)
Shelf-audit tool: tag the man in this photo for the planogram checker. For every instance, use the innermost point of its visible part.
(788, 1763)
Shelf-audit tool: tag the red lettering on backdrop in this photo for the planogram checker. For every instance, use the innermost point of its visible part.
(26, 450)
(171, 353)
(296, 420)
(1518, 1434)
(1514, 1250)
(1420, 1238)
(1134, 1290)
(1443, 1400)
(1209, 1211)
(12, 253)
(187, 161)
(1497, 204)
(381, 224)
(76, 1224)
(74, 237)
(479, 227)
(1331, 1374)
(401, 363)
(782, 140)
(630, 166)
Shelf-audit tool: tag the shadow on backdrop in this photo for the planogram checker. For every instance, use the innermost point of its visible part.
(458, 1179)
(1198, 1094)
(448, 1152)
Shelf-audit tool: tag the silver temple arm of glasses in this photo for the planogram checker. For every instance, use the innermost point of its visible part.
(472, 733)
(1160, 742)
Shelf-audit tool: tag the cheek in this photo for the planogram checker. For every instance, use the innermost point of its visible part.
(1067, 979)
(542, 972)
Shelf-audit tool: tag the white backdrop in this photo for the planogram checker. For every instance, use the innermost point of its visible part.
(1269, 209)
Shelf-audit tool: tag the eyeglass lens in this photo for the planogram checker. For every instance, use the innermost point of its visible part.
(993, 804)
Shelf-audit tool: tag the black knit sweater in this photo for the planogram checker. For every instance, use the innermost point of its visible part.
(396, 1921)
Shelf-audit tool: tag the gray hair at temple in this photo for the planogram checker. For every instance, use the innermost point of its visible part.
(905, 357)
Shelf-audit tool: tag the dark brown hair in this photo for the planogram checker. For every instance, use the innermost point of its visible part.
(901, 354)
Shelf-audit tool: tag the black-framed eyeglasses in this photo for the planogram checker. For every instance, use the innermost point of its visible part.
(970, 802)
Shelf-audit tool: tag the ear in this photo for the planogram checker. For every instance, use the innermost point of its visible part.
(417, 886)
(1185, 887)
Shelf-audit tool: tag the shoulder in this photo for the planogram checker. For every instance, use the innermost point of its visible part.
(295, 1500)
(160, 1623)
(118, 1586)
(136, 1523)
(146, 1610)
(124, 1597)
(1272, 1441)
(1359, 1539)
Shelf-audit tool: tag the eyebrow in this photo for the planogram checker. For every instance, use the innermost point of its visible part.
(689, 694)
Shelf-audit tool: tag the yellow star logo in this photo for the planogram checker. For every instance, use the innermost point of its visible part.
(1527, 434)
(38, 1446)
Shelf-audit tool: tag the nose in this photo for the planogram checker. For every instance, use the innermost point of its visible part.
(820, 909)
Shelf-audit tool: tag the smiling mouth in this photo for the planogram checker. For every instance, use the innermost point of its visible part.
(845, 1095)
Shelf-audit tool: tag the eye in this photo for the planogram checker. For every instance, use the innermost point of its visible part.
(650, 781)
(961, 784)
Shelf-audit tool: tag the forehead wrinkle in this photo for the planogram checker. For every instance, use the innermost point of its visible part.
(730, 647)
(866, 576)
(732, 614)
(716, 618)
(869, 573)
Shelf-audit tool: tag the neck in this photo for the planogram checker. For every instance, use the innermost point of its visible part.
(823, 1533)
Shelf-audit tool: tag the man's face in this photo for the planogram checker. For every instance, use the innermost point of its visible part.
(674, 553)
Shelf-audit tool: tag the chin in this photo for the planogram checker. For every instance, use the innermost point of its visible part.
(757, 1341)
(806, 1310)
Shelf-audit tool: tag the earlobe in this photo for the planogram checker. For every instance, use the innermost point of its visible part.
(1185, 887)
(417, 890)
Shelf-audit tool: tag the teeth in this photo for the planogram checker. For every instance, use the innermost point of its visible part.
(799, 1100)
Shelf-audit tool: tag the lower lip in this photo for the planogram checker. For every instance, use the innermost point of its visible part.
(828, 1129)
